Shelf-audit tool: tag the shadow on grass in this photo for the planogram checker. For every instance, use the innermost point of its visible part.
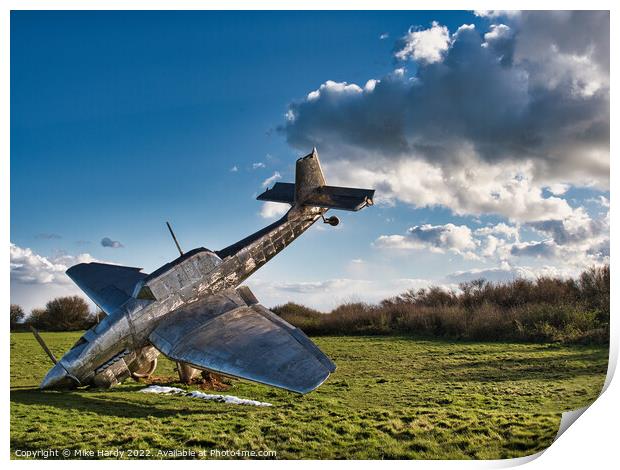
(543, 368)
(108, 403)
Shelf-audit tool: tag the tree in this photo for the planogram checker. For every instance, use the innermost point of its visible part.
(63, 314)
(17, 315)
(38, 318)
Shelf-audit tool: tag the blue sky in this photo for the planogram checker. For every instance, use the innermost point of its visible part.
(123, 120)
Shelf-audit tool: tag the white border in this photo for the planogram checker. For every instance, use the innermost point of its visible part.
(592, 442)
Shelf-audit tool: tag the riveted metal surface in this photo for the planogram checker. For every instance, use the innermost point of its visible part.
(244, 343)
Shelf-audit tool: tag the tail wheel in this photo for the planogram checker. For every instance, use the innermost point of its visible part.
(145, 371)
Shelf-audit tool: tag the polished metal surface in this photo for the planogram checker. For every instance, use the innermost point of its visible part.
(195, 311)
(58, 377)
(109, 286)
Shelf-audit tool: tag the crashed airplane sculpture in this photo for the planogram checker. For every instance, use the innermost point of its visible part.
(194, 311)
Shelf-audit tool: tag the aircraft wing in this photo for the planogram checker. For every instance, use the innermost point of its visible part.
(108, 285)
(226, 335)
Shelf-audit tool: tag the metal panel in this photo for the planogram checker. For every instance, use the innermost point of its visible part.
(281, 192)
(108, 285)
(336, 197)
(308, 176)
(244, 343)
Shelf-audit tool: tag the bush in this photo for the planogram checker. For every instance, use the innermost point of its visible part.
(304, 317)
(547, 309)
(594, 291)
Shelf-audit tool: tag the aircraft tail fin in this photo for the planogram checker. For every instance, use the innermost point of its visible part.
(308, 176)
(310, 189)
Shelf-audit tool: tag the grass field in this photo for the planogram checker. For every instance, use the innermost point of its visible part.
(391, 397)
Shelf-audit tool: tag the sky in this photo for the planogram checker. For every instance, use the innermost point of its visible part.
(485, 135)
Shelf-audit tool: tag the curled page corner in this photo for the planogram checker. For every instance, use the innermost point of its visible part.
(517, 461)
(568, 418)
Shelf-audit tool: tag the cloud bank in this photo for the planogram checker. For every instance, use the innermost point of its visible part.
(35, 279)
(487, 122)
(499, 120)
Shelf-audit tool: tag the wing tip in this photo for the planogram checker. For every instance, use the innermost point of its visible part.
(303, 390)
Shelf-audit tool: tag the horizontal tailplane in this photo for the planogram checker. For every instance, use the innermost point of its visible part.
(337, 197)
(281, 192)
(310, 189)
(331, 197)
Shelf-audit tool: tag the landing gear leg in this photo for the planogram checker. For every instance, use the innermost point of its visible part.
(186, 372)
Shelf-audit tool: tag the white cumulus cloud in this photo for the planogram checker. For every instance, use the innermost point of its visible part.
(272, 179)
(507, 112)
(436, 238)
(427, 45)
(35, 279)
(272, 210)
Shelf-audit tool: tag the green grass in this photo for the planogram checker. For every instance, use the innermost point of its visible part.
(391, 397)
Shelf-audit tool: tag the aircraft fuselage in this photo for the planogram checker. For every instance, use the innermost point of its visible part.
(118, 346)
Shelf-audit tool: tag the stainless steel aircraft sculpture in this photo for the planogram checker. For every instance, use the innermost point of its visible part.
(194, 311)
